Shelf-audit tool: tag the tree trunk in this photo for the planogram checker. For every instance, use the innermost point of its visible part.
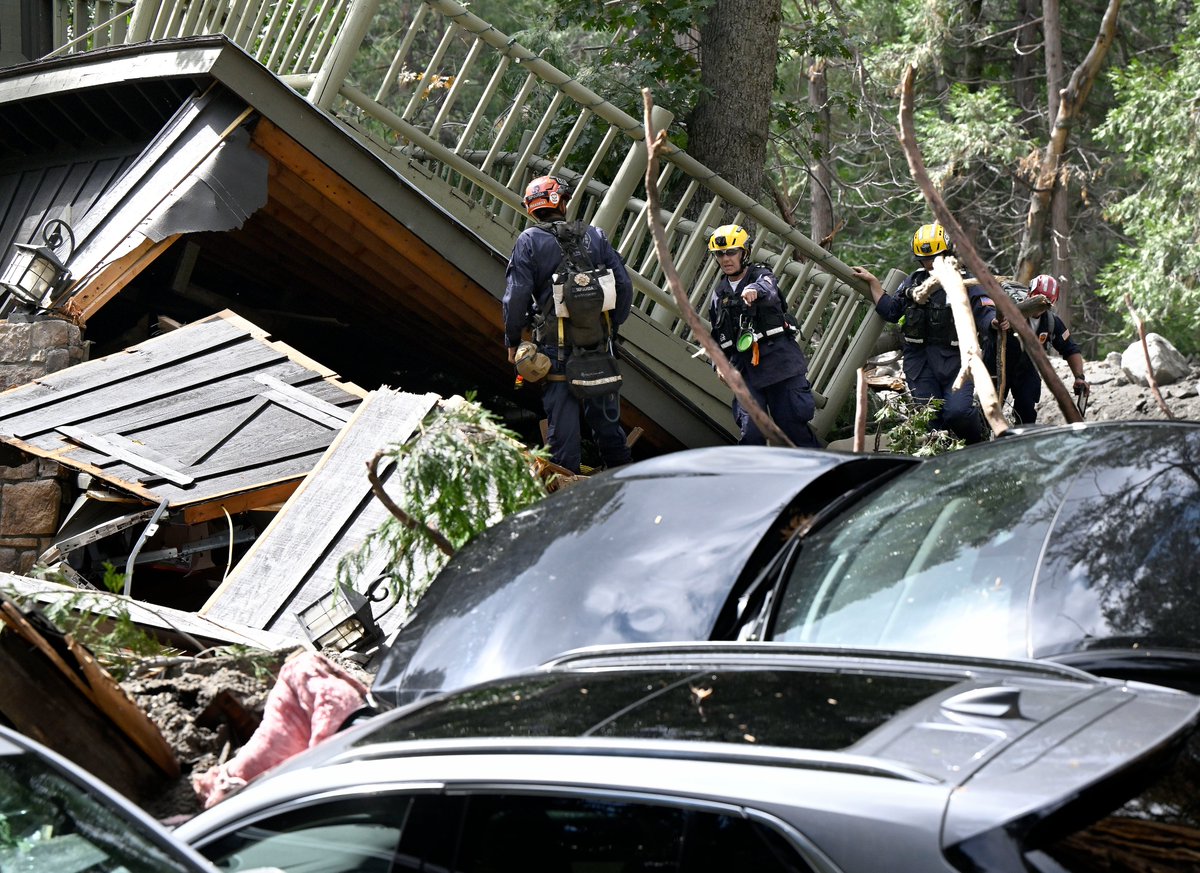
(1060, 246)
(1069, 103)
(1024, 69)
(972, 61)
(1060, 219)
(821, 179)
(730, 124)
(1055, 74)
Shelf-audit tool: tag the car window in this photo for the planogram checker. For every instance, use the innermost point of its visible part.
(376, 833)
(1049, 544)
(942, 559)
(1122, 565)
(764, 707)
(51, 824)
(506, 833)
(502, 833)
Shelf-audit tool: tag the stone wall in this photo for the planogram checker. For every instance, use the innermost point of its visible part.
(31, 488)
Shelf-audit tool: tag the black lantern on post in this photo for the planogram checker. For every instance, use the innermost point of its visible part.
(38, 271)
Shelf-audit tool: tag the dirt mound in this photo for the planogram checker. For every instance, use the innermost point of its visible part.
(207, 708)
(1115, 398)
(203, 707)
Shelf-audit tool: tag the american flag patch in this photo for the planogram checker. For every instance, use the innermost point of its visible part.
(986, 301)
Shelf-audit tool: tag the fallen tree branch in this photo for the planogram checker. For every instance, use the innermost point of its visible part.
(1002, 364)
(1004, 304)
(766, 425)
(443, 544)
(945, 269)
(1150, 380)
(860, 413)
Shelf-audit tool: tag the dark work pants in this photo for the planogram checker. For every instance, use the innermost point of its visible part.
(930, 374)
(789, 403)
(1026, 386)
(564, 431)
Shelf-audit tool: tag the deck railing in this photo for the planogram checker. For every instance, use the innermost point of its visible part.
(470, 115)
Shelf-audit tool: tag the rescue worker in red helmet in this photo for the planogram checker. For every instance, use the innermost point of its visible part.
(931, 357)
(751, 324)
(1021, 376)
(529, 303)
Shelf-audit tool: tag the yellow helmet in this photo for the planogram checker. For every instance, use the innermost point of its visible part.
(729, 236)
(930, 240)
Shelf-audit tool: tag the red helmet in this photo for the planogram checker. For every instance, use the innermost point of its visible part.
(546, 192)
(1045, 285)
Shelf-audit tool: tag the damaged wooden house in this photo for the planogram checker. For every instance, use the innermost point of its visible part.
(227, 225)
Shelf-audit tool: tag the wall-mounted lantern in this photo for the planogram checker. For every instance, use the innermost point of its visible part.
(36, 271)
(343, 619)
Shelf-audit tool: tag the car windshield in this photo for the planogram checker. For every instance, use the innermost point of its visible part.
(1050, 543)
(51, 824)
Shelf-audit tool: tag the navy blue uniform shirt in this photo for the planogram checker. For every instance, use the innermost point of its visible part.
(529, 291)
(891, 307)
(779, 357)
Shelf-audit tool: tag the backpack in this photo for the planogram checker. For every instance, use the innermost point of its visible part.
(583, 296)
(583, 293)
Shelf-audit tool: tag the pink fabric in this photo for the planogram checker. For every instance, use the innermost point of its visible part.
(309, 701)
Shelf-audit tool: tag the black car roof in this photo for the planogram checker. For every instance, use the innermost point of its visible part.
(659, 551)
(579, 560)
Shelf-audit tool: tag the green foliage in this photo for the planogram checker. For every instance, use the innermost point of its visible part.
(1156, 127)
(462, 472)
(113, 580)
(636, 45)
(971, 132)
(907, 427)
(798, 124)
(100, 622)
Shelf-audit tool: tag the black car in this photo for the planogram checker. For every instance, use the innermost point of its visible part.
(1079, 543)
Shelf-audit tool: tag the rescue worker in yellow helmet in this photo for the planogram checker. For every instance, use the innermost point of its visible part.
(528, 303)
(753, 328)
(931, 356)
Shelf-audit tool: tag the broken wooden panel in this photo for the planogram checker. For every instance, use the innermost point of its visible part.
(209, 412)
(294, 562)
(174, 627)
(197, 174)
(52, 689)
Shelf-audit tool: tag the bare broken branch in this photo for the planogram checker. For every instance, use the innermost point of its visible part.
(1150, 380)
(774, 435)
(1004, 304)
(443, 544)
(860, 413)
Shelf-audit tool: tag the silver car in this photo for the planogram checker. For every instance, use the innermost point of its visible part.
(57, 818)
(719, 757)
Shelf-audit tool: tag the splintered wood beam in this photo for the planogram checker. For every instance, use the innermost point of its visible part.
(263, 498)
(105, 285)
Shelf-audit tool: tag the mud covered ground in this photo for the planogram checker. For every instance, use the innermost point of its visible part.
(1115, 398)
(206, 709)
